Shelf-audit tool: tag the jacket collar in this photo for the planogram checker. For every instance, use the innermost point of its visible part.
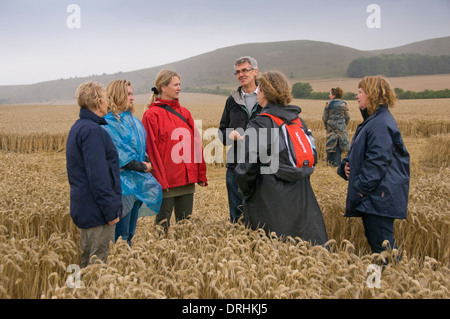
(89, 115)
(366, 116)
(238, 97)
(336, 101)
(171, 103)
(288, 112)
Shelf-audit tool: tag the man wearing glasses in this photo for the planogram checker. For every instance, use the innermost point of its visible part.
(240, 108)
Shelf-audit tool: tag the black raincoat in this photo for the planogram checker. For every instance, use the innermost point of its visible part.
(282, 201)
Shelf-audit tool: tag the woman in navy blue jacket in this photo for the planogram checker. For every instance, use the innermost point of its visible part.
(377, 166)
(94, 174)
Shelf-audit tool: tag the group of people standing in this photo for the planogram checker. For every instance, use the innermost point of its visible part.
(377, 163)
(120, 168)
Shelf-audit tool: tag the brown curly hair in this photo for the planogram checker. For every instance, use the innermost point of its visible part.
(379, 92)
(337, 92)
(275, 87)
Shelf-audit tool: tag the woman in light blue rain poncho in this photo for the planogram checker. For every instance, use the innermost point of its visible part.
(141, 192)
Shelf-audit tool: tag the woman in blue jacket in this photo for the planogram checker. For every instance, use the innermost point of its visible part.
(377, 166)
(138, 184)
(94, 175)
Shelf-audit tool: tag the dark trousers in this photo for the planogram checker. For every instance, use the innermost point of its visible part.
(378, 229)
(234, 196)
(334, 158)
(181, 204)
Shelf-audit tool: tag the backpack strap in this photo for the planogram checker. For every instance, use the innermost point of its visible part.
(304, 153)
(171, 110)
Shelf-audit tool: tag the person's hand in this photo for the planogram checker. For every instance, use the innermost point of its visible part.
(149, 167)
(202, 183)
(113, 222)
(235, 136)
(347, 170)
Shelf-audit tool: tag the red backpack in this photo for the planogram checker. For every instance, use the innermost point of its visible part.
(303, 151)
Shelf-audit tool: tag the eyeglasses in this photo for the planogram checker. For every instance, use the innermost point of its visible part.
(244, 71)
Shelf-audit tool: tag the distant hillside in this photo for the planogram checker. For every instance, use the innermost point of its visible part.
(299, 60)
(434, 47)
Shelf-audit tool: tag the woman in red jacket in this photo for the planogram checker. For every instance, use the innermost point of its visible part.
(174, 147)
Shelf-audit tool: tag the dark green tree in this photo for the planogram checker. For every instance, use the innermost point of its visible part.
(399, 65)
(301, 90)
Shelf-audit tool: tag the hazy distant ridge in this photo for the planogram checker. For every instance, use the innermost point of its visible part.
(299, 60)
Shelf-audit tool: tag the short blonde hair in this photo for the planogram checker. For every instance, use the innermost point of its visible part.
(379, 92)
(275, 87)
(88, 94)
(163, 78)
(117, 91)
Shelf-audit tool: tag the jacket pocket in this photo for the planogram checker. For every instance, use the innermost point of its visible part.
(380, 200)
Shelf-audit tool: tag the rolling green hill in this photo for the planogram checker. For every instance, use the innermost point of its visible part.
(299, 60)
(434, 47)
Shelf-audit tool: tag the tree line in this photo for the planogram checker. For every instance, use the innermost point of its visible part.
(302, 90)
(427, 94)
(392, 65)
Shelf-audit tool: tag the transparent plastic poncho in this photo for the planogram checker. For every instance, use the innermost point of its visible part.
(129, 137)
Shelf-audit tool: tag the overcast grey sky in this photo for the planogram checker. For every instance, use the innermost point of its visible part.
(38, 44)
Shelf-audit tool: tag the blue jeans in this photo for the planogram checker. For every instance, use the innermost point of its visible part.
(126, 227)
(234, 196)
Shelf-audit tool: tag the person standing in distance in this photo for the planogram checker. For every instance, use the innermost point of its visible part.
(240, 108)
(336, 117)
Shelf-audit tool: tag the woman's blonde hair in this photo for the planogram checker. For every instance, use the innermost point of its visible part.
(163, 78)
(379, 92)
(275, 87)
(119, 101)
(88, 94)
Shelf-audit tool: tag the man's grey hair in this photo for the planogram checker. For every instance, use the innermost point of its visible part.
(249, 59)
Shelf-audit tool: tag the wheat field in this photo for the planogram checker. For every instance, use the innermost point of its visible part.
(206, 256)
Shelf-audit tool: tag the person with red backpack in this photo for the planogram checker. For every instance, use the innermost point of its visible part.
(275, 161)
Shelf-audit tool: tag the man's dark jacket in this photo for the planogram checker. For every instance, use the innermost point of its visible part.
(235, 116)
